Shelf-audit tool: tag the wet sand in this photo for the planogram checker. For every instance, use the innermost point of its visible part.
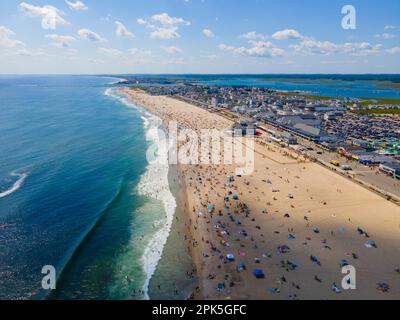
(295, 220)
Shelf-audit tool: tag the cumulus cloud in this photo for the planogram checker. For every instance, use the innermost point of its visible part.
(258, 49)
(110, 52)
(253, 35)
(90, 35)
(6, 38)
(51, 16)
(165, 33)
(394, 50)
(164, 26)
(60, 41)
(122, 31)
(96, 61)
(172, 50)
(77, 6)
(311, 46)
(391, 27)
(136, 51)
(208, 33)
(31, 53)
(361, 48)
(166, 20)
(287, 34)
(385, 36)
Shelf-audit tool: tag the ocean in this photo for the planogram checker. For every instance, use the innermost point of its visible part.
(77, 193)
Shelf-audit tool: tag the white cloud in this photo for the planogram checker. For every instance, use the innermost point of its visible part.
(96, 61)
(61, 41)
(165, 33)
(208, 33)
(110, 52)
(287, 34)
(391, 27)
(89, 35)
(258, 49)
(253, 35)
(361, 48)
(6, 40)
(311, 46)
(138, 53)
(166, 20)
(394, 50)
(211, 57)
(164, 26)
(51, 16)
(122, 31)
(385, 36)
(77, 6)
(31, 53)
(6, 32)
(172, 50)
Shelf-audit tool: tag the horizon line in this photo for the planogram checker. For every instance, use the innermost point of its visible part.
(188, 73)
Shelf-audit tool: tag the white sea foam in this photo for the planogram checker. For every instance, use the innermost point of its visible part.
(154, 184)
(118, 80)
(17, 184)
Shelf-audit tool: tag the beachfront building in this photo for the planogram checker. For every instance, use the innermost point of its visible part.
(245, 128)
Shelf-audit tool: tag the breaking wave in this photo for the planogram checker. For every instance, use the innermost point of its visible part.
(17, 184)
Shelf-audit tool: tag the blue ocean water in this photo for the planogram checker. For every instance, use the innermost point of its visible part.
(71, 159)
(334, 89)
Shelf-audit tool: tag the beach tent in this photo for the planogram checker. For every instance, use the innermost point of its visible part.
(370, 244)
(235, 197)
(230, 257)
(259, 273)
(275, 290)
(221, 286)
(335, 288)
(241, 267)
(343, 262)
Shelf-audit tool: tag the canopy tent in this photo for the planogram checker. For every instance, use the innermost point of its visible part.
(230, 257)
(259, 273)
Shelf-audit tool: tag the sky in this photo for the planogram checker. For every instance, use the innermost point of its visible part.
(199, 36)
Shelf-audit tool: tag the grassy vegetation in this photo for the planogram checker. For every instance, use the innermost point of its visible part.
(307, 96)
(374, 101)
(378, 111)
(136, 88)
(365, 102)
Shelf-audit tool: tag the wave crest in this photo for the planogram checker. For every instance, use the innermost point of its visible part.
(17, 184)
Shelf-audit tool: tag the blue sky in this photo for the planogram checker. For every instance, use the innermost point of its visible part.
(198, 36)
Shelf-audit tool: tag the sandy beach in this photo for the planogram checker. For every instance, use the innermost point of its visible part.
(295, 220)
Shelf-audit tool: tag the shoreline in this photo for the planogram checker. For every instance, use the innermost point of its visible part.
(333, 209)
(160, 193)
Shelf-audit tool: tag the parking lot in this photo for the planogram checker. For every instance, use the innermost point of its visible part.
(369, 175)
